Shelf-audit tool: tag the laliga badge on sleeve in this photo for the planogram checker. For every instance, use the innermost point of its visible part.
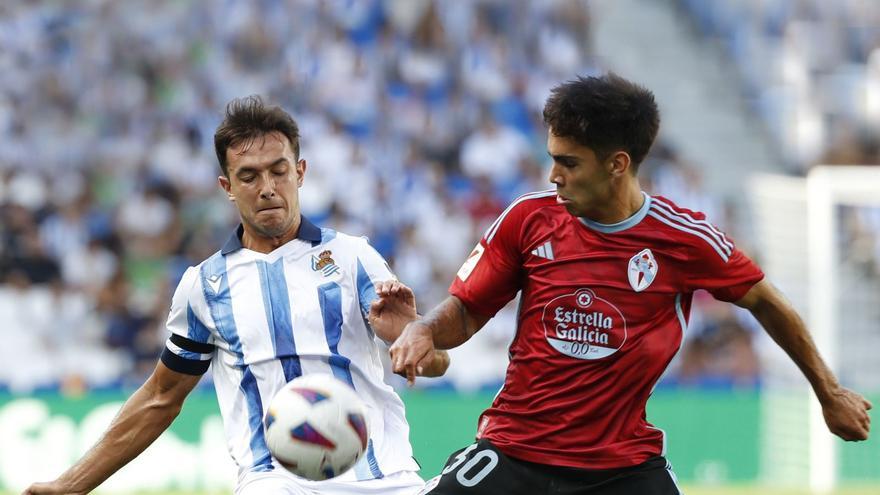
(465, 271)
(642, 270)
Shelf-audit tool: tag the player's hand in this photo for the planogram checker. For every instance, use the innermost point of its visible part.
(413, 351)
(846, 414)
(50, 488)
(394, 307)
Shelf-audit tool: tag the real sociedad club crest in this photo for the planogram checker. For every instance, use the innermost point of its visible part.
(642, 270)
(324, 263)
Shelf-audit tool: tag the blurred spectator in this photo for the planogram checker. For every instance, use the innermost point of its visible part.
(810, 68)
(493, 151)
(812, 72)
(90, 267)
(717, 350)
(420, 119)
(483, 205)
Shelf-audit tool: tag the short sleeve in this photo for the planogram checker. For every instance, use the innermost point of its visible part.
(722, 269)
(371, 268)
(190, 347)
(491, 275)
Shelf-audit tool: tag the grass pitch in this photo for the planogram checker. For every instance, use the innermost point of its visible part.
(758, 490)
(688, 490)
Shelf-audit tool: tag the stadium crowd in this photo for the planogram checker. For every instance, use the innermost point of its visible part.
(420, 122)
(811, 71)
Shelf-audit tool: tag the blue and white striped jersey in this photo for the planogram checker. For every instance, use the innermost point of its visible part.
(265, 319)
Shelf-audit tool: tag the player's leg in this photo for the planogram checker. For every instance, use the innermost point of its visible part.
(653, 477)
(270, 483)
(401, 483)
(481, 469)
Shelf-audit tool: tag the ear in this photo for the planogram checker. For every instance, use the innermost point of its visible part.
(301, 167)
(619, 163)
(224, 183)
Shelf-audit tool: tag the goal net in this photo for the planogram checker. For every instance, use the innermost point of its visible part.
(818, 240)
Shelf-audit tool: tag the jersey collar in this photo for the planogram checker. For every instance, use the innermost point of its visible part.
(610, 228)
(307, 232)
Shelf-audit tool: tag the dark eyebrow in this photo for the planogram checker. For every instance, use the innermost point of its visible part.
(571, 159)
(255, 169)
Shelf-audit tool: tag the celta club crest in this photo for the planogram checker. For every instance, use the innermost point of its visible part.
(324, 263)
(642, 270)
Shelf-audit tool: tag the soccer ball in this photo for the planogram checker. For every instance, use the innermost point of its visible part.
(316, 427)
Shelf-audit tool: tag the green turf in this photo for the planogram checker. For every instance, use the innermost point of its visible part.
(688, 490)
(753, 490)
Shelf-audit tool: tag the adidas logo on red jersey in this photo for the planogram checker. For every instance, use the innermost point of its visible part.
(544, 251)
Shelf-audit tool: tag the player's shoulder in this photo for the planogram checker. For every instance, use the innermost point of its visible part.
(189, 287)
(340, 240)
(212, 266)
(342, 243)
(523, 207)
(207, 273)
(532, 201)
(667, 207)
(690, 227)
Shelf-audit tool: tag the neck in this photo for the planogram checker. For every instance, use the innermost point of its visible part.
(250, 239)
(623, 203)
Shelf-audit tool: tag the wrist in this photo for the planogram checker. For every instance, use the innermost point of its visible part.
(422, 329)
(827, 393)
(414, 317)
(65, 486)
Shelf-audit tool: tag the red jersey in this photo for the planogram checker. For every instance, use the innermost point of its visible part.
(602, 313)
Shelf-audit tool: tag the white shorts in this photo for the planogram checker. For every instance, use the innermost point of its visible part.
(282, 483)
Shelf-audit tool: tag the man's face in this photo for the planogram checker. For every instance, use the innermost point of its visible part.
(264, 181)
(582, 181)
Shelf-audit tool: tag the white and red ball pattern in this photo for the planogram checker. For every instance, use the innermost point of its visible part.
(316, 427)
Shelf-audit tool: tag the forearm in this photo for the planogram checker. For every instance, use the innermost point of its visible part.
(787, 329)
(451, 323)
(140, 421)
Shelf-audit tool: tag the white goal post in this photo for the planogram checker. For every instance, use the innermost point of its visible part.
(799, 233)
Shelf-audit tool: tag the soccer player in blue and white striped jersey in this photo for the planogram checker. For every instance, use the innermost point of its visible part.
(281, 299)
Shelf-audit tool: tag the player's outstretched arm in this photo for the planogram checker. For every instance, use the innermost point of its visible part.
(845, 411)
(448, 325)
(143, 417)
(393, 309)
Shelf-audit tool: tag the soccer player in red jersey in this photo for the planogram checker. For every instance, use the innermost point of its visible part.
(606, 274)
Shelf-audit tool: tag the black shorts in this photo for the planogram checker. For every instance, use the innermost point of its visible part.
(481, 469)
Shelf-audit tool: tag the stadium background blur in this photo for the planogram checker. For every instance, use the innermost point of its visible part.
(420, 120)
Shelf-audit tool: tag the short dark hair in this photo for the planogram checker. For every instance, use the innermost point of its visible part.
(249, 118)
(606, 113)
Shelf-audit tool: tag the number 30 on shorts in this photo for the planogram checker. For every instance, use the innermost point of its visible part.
(467, 475)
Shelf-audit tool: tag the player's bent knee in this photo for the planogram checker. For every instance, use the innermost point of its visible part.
(265, 483)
